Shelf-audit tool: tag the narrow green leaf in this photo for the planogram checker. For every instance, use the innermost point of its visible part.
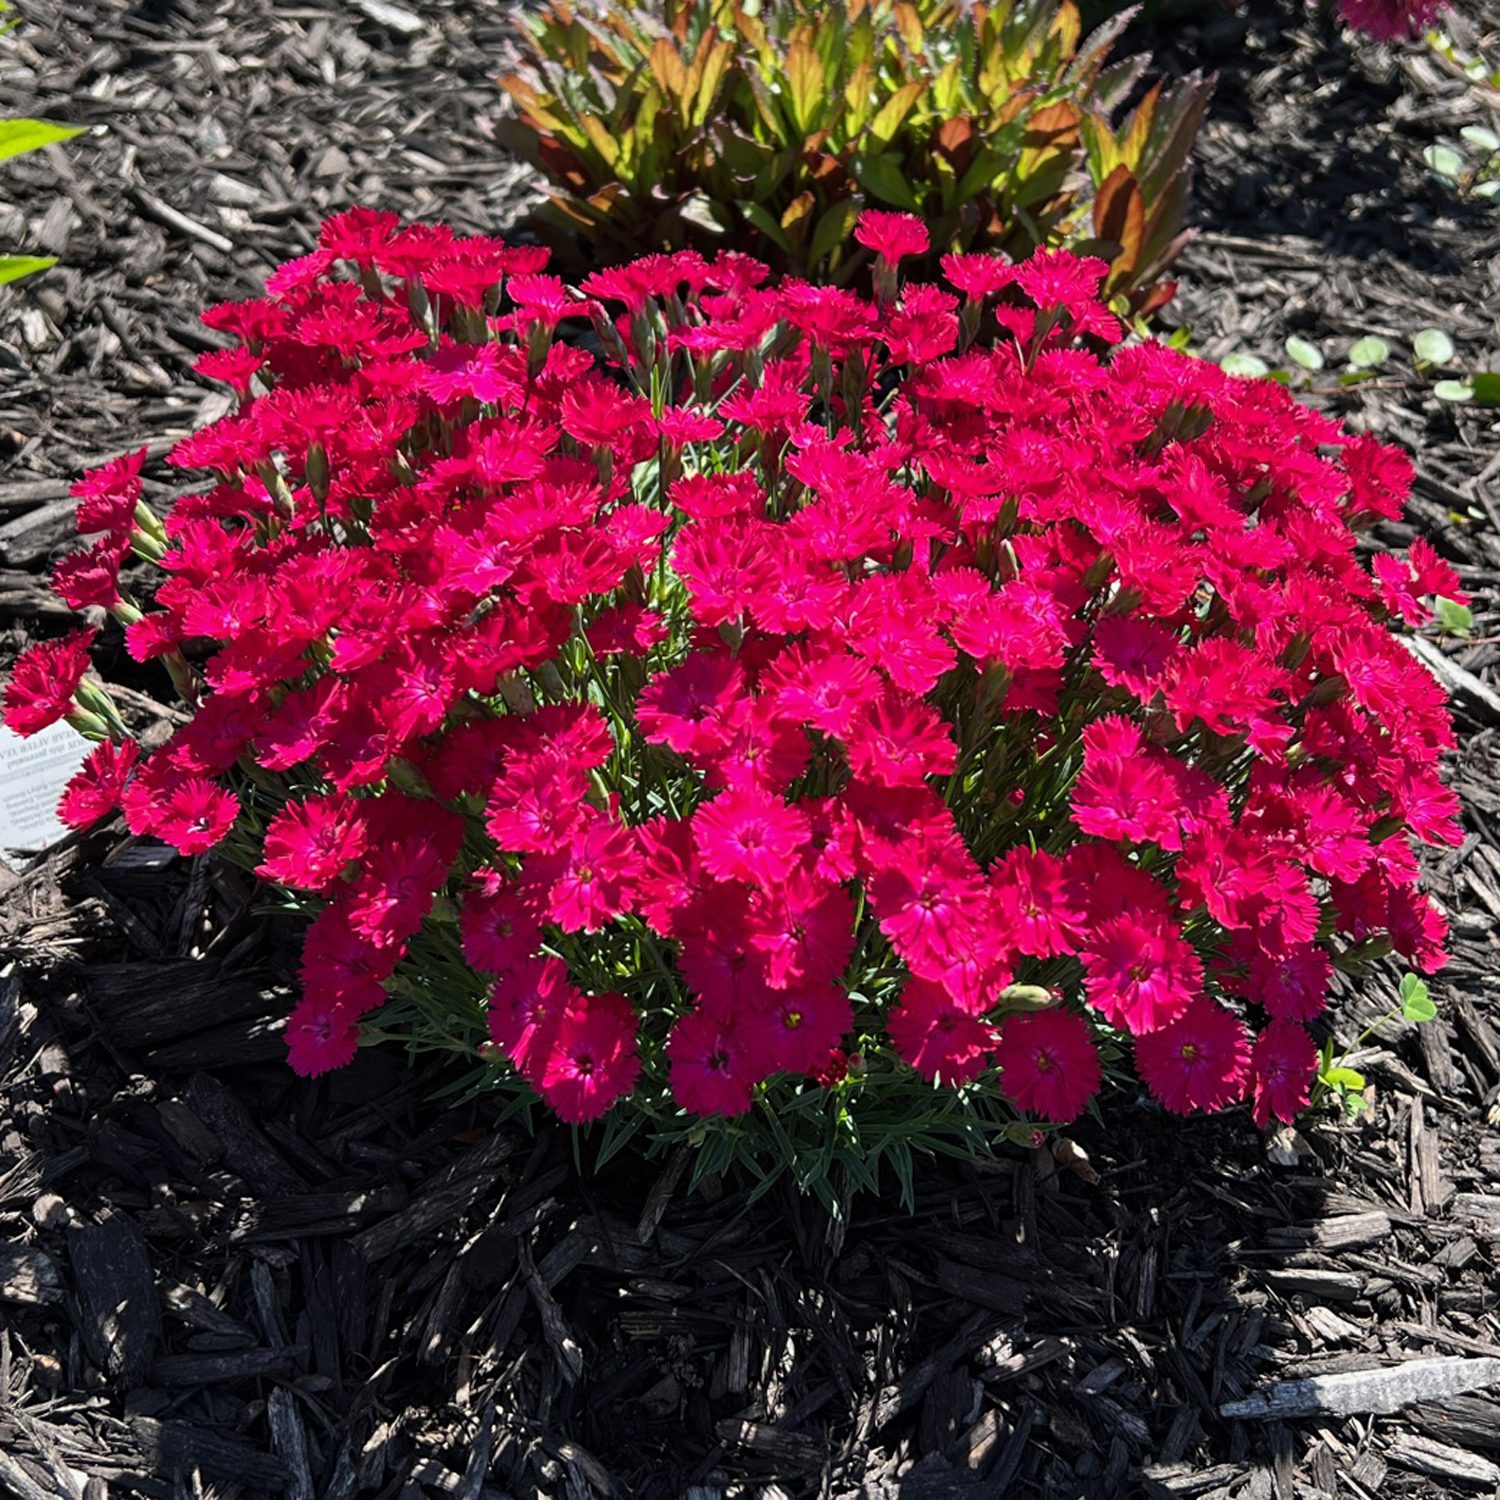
(832, 231)
(1246, 365)
(766, 224)
(1481, 137)
(1305, 353)
(1433, 347)
(14, 267)
(19, 136)
(883, 176)
(1369, 353)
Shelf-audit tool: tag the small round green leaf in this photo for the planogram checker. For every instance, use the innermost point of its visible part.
(1433, 346)
(1416, 1003)
(1369, 353)
(1453, 390)
(1419, 1008)
(1445, 161)
(1246, 365)
(1480, 137)
(1305, 353)
(1489, 188)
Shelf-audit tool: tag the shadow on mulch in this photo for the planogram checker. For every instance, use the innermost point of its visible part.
(1311, 139)
(346, 1289)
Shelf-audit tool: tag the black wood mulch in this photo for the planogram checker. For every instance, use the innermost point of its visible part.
(217, 1280)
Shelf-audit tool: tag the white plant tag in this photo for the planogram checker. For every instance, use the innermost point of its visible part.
(33, 773)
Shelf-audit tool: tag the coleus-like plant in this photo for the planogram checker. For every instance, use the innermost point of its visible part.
(715, 123)
(821, 728)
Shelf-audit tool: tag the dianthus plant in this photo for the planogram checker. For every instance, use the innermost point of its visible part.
(766, 704)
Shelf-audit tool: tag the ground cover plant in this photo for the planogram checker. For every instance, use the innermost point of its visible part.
(711, 123)
(819, 728)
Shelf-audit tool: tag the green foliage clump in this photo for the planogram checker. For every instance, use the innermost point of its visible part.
(768, 126)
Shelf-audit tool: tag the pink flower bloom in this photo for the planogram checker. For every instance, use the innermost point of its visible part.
(1199, 1061)
(594, 881)
(1292, 984)
(107, 495)
(501, 928)
(1140, 972)
(1125, 791)
(43, 681)
(892, 236)
(1133, 653)
(1048, 1064)
(98, 785)
(592, 1061)
(1282, 1065)
(930, 900)
(801, 1027)
(714, 1065)
(943, 1042)
(685, 707)
(1390, 20)
(320, 1037)
(528, 1009)
(194, 814)
(309, 843)
(91, 577)
(748, 834)
(1034, 905)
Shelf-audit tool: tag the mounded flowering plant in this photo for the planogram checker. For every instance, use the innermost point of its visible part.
(815, 727)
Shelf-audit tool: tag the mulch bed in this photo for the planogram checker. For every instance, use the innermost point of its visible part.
(217, 1279)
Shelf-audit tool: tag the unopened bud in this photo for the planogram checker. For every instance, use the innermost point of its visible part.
(317, 471)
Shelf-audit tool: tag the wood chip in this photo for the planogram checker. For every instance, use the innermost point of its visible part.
(1383, 1390)
(1439, 1461)
(28, 1275)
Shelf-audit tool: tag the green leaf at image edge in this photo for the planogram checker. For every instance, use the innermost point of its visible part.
(20, 136)
(1486, 387)
(14, 267)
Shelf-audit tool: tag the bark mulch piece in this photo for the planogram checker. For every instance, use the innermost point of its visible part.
(218, 1280)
